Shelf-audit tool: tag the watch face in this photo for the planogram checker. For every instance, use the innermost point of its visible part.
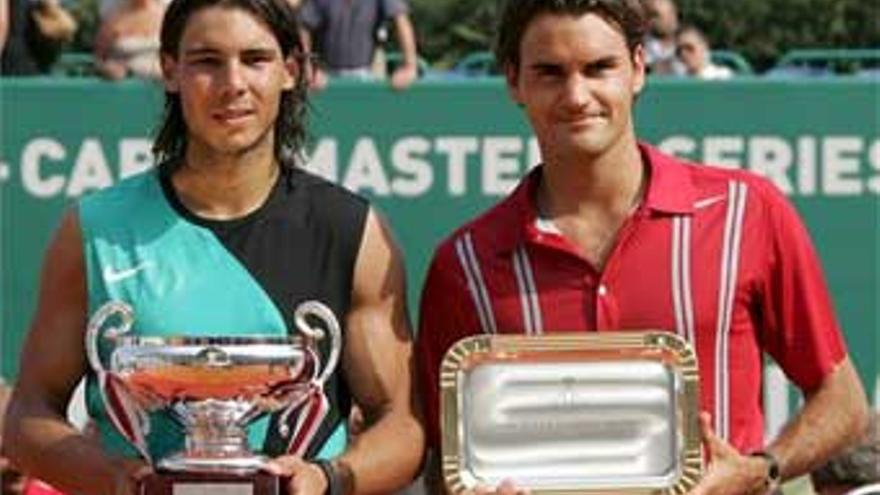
(773, 474)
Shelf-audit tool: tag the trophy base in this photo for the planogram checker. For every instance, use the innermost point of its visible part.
(195, 483)
(241, 464)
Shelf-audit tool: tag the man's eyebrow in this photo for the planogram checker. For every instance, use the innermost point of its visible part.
(196, 51)
(542, 65)
(603, 61)
(259, 50)
(595, 62)
(191, 52)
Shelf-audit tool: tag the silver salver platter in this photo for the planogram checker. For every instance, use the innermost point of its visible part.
(610, 412)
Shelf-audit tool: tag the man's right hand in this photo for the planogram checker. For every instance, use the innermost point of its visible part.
(130, 473)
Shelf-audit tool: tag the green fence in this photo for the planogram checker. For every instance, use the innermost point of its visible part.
(439, 153)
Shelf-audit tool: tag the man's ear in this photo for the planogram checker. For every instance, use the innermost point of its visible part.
(169, 73)
(511, 75)
(639, 69)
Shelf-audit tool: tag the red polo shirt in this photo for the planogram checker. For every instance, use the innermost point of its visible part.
(717, 256)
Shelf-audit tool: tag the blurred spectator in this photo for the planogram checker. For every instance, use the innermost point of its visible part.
(343, 33)
(17, 58)
(854, 468)
(693, 50)
(106, 7)
(660, 54)
(127, 43)
(36, 31)
(4, 23)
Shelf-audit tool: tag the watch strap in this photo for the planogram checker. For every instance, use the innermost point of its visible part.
(773, 478)
(334, 482)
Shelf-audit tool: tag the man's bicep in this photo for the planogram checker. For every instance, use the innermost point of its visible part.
(378, 352)
(53, 356)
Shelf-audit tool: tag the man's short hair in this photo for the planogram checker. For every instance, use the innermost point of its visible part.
(628, 16)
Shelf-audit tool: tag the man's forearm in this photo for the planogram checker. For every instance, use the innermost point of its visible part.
(833, 417)
(387, 455)
(43, 445)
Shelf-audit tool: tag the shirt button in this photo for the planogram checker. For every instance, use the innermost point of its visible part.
(603, 290)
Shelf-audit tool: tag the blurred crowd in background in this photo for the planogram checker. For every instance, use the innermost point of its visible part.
(435, 39)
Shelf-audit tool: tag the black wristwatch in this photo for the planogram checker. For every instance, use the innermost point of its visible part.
(334, 482)
(773, 478)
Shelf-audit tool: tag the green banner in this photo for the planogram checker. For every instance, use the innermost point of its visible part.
(439, 153)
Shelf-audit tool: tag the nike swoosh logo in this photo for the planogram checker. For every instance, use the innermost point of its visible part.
(112, 275)
(705, 203)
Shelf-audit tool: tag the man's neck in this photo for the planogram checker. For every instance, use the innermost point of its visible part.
(610, 184)
(588, 198)
(224, 187)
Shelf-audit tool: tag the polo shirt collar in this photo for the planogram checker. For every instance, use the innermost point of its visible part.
(670, 191)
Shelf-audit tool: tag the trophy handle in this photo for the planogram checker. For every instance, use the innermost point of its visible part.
(320, 311)
(96, 323)
(132, 422)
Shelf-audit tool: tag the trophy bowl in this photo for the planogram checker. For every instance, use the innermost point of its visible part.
(213, 387)
(611, 412)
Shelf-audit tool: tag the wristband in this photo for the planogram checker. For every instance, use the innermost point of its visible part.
(334, 483)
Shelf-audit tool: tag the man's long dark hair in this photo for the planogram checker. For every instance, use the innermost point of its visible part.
(170, 142)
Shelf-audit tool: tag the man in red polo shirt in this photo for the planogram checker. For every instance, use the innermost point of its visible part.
(610, 234)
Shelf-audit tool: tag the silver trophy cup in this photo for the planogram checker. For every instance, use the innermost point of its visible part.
(213, 386)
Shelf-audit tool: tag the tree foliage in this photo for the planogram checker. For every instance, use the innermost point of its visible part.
(761, 30)
(449, 29)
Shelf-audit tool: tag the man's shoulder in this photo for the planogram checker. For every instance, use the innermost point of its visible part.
(127, 191)
(136, 197)
(316, 201)
(322, 191)
(708, 178)
(713, 177)
(484, 229)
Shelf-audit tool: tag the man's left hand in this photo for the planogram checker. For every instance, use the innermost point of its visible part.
(305, 478)
(729, 472)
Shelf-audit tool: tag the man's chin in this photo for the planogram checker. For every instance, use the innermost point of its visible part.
(583, 146)
(238, 144)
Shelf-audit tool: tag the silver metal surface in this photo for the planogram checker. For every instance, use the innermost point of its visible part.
(603, 413)
(213, 489)
(212, 386)
(187, 462)
(552, 425)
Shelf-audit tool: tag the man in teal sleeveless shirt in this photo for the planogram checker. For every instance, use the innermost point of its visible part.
(225, 236)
